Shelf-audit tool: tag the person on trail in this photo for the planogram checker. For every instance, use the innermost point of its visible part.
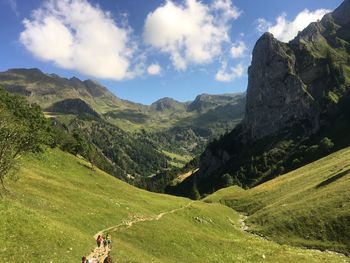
(109, 240)
(99, 240)
(108, 259)
(105, 243)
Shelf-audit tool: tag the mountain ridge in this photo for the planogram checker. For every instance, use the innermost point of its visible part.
(166, 116)
(296, 112)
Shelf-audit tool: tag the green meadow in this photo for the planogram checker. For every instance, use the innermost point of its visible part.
(55, 204)
(308, 207)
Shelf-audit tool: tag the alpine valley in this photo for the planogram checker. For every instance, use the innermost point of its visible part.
(257, 176)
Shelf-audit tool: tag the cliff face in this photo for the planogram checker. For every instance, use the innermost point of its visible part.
(276, 96)
(295, 82)
(297, 96)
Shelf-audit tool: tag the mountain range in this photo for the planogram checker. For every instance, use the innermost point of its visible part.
(172, 132)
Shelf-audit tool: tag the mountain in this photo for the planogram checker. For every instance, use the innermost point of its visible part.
(299, 80)
(80, 131)
(168, 104)
(297, 108)
(47, 89)
(66, 200)
(205, 102)
(128, 140)
(198, 122)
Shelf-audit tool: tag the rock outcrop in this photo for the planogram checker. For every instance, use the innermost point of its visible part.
(297, 81)
(276, 96)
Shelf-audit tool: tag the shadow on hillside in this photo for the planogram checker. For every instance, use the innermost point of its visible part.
(333, 178)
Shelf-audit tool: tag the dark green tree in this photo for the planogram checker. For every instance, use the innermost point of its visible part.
(227, 180)
(326, 145)
(23, 128)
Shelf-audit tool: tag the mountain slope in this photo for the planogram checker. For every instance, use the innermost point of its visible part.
(62, 203)
(206, 118)
(80, 130)
(308, 207)
(297, 108)
(47, 89)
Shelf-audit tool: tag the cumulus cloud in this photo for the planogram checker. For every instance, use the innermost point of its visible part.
(238, 49)
(192, 33)
(77, 35)
(154, 69)
(226, 74)
(285, 30)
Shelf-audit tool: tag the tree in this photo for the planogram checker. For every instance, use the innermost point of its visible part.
(23, 128)
(92, 156)
(82, 146)
(326, 145)
(227, 180)
(195, 195)
(12, 143)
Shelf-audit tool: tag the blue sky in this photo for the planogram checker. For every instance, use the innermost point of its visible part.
(143, 50)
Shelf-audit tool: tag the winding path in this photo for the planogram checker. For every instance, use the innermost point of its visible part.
(99, 254)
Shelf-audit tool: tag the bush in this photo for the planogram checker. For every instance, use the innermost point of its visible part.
(326, 145)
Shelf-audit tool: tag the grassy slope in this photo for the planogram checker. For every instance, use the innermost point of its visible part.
(309, 206)
(57, 204)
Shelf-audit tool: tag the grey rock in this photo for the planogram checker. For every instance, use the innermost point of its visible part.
(276, 95)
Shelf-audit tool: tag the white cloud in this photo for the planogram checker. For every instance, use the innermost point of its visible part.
(285, 30)
(263, 25)
(192, 33)
(238, 49)
(227, 9)
(77, 35)
(154, 69)
(226, 75)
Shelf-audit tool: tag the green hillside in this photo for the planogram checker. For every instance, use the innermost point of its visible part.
(308, 207)
(183, 127)
(56, 203)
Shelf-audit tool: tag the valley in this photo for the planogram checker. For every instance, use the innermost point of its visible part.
(45, 197)
(219, 174)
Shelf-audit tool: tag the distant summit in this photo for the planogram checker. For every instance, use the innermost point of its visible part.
(168, 104)
(204, 102)
(47, 89)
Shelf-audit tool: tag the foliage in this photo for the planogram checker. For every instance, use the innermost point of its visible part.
(23, 128)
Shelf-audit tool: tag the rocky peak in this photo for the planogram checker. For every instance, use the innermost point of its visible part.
(205, 102)
(167, 104)
(311, 33)
(95, 89)
(276, 95)
(25, 71)
(341, 15)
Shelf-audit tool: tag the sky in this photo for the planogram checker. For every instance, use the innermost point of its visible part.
(144, 50)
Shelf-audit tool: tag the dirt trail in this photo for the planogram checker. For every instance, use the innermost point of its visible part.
(99, 254)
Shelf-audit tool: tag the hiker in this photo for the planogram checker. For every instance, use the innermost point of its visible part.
(108, 259)
(84, 260)
(109, 240)
(99, 240)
